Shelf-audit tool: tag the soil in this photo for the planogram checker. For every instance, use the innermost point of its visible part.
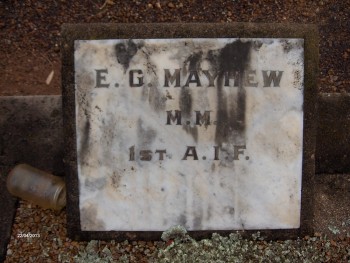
(30, 54)
(30, 32)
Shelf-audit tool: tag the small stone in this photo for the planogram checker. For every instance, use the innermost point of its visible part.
(56, 48)
(158, 5)
(171, 5)
(142, 243)
(9, 252)
(149, 244)
(128, 248)
(36, 219)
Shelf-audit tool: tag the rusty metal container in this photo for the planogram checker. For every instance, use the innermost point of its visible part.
(36, 186)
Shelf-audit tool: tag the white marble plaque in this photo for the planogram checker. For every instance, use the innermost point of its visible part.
(204, 133)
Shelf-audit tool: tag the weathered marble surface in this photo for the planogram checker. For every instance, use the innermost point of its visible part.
(254, 119)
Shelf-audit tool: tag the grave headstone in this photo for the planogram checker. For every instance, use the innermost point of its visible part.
(206, 126)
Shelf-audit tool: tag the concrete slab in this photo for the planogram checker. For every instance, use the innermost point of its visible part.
(332, 204)
(70, 85)
(333, 133)
(31, 132)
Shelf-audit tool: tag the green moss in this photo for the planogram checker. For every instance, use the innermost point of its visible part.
(180, 247)
(234, 248)
(91, 254)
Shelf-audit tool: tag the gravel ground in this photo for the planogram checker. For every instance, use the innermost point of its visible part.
(40, 235)
(30, 51)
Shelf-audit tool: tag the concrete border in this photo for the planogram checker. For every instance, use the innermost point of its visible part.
(31, 132)
(333, 133)
(7, 215)
(126, 31)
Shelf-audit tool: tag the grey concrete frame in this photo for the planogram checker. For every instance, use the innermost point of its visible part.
(72, 32)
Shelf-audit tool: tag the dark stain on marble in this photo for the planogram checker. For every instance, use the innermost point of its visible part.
(85, 141)
(185, 101)
(257, 44)
(230, 210)
(233, 58)
(95, 184)
(198, 215)
(150, 91)
(182, 220)
(212, 58)
(289, 45)
(155, 97)
(208, 212)
(125, 52)
(191, 130)
(191, 64)
(115, 179)
(151, 68)
(146, 135)
(89, 220)
(194, 61)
